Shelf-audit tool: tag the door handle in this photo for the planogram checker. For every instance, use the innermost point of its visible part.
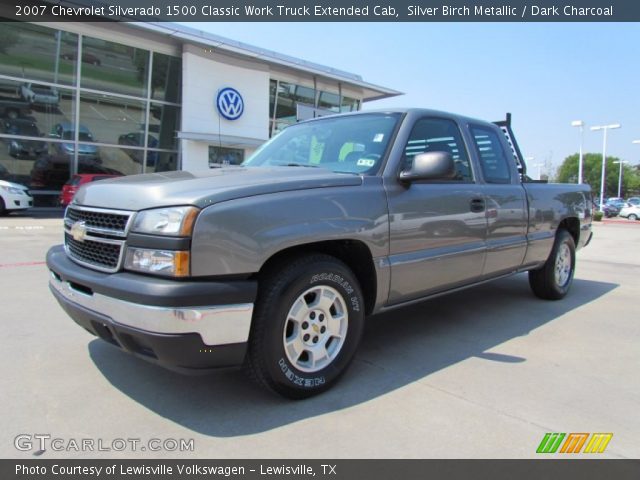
(477, 205)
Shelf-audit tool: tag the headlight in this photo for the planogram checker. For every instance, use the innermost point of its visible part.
(14, 190)
(176, 221)
(157, 262)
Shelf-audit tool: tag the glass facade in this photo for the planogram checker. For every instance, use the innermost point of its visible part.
(285, 97)
(76, 104)
(219, 156)
(72, 103)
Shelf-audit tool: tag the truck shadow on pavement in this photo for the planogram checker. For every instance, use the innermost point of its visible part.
(398, 348)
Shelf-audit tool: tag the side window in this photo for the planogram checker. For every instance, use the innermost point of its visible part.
(439, 135)
(493, 160)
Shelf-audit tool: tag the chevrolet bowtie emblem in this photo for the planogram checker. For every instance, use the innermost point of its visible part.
(79, 231)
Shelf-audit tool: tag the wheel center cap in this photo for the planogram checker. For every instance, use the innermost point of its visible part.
(315, 328)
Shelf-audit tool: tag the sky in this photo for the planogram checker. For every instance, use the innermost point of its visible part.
(545, 74)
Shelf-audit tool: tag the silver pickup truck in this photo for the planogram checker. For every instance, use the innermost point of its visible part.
(275, 264)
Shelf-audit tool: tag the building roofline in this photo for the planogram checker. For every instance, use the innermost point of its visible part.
(184, 33)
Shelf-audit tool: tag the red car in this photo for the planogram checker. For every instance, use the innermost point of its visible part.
(70, 188)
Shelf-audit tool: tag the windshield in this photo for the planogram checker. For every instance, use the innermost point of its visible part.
(82, 136)
(43, 91)
(343, 144)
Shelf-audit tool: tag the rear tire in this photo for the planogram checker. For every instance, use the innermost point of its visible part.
(632, 216)
(3, 210)
(307, 325)
(553, 280)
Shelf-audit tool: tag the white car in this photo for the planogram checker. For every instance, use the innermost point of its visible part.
(632, 212)
(14, 196)
(39, 94)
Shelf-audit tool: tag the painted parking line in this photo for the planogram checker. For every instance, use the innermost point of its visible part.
(23, 227)
(21, 264)
(127, 115)
(104, 117)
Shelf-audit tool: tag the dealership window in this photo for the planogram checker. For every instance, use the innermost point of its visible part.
(38, 53)
(284, 98)
(114, 67)
(111, 118)
(225, 156)
(286, 101)
(349, 105)
(127, 121)
(289, 95)
(164, 121)
(329, 101)
(166, 75)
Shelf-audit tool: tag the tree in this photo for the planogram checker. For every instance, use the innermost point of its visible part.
(592, 173)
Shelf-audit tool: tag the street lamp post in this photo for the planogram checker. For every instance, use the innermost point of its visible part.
(539, 165)
(604, 157)
(620, 177)
(579, 123)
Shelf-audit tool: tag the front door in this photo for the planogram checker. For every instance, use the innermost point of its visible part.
(437, 229)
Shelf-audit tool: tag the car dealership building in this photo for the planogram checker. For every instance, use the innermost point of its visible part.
(127, 98)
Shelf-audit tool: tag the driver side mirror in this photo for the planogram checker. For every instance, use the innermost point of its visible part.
(430, 166)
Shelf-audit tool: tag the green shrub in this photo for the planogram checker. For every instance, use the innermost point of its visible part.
(597, 216)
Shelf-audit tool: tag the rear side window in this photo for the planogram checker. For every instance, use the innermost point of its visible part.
(493, 160)
(439, 135)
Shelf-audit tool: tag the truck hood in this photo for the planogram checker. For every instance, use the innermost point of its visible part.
(140, 192)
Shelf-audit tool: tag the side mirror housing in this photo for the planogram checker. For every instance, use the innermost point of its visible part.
(430, 166)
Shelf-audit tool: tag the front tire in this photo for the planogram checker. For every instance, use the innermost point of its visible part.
(306, 327)
(632, 216)
(553, 280)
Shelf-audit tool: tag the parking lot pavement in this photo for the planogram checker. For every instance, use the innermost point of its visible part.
(482, 373)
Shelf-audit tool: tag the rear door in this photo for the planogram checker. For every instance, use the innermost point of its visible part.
(437, 228)
(505, 200)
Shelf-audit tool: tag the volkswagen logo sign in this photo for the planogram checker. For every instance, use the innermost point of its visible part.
(230, 103)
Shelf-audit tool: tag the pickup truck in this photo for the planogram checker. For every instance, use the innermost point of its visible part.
(275, 264)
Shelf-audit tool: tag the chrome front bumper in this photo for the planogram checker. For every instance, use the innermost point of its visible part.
(216, 325)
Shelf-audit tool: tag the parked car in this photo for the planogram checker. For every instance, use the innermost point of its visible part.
(608, 209)
(14, 197)
(86, 58)
(66, 131)
(17, 147)
(619, 204)
(632, 212)
(136, 139)
(633, 200)
(37, 94)
(51, 171)
(70, 188)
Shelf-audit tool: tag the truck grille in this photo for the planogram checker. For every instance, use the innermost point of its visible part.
(114, 222)
(97, 254)
(96, 237)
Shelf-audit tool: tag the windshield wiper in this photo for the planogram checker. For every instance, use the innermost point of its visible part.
(293, 164)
